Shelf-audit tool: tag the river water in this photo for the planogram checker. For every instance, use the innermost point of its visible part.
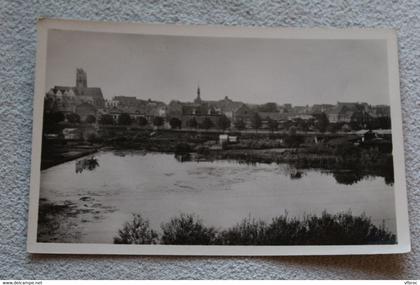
(221, 193)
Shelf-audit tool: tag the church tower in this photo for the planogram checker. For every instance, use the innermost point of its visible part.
(198, 99)
(81, 79)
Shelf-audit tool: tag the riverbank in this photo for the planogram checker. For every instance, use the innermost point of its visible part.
(338, 153)
(56, 154)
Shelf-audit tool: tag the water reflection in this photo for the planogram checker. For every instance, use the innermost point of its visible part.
(296, 174)
(347, 177)
(221, 191)
(86, 164)
(344, 177)
(183, 157)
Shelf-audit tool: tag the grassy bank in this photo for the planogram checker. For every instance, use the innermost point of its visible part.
(327, 229)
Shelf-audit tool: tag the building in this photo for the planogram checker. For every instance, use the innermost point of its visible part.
(343, 111)
(137, 107)
(380, 111)
(321, 108)
(67, 98)
(244, 114)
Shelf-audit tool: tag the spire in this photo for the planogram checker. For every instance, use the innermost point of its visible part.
(198, 99)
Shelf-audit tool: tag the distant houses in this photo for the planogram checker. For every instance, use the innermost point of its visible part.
(89, 105)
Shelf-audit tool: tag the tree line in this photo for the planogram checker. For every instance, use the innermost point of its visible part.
(319, 122)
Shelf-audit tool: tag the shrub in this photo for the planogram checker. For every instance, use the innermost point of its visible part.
(90, 119)
(187, 229)
(158, 121)
(182, 148)
(175, 123)
(142, 121)
(344, 228)
(248, 232)
(284, 231)
(327, 229)
(124, 119)
(73, 118)
(106, 119)
(136, 232)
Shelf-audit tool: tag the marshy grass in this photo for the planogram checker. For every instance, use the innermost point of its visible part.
(326, 229)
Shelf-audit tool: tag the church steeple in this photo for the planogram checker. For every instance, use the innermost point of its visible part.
(198, 99)
(81, 79)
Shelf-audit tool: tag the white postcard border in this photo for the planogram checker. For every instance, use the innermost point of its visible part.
(403, 237)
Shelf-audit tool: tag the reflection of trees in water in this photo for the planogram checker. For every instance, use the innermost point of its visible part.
(354, 176)
(347, 177)
(291, 171)
(341, 176)
(86, 164)
(183, 157)
(389, 179)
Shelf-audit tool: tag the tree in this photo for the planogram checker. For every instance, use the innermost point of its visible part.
(192, 123)
(302, 125)
(293, 140)
(175, 123)
(273, 124)
(292, 131)
(54, 117)
(268, 107)
(124, 119)
(360, 120)
(207, 123)
(142, 121)
(256, 122)
(240, 124)
(73, 118)
(90, 119)
(322, 122)
(136, 232)
(158, 121)
(223, 122)
(106, 119)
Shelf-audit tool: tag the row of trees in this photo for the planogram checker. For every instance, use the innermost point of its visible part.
(73, 118)
(319, 122)
(124, 119)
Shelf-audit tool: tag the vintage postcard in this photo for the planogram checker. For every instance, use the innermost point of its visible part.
(199, 140)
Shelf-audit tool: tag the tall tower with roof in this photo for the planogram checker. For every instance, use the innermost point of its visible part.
(81, 79)
(198, 99)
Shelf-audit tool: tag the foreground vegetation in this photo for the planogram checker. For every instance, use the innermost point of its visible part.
(327, 229)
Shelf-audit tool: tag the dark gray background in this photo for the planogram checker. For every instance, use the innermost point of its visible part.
(17, 62)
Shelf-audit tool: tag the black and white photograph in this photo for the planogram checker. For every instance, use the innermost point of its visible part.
(221, 140)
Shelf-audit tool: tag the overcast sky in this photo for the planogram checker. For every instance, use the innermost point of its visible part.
(165, 68)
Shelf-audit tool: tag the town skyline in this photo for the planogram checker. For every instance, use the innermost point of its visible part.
(145, 62)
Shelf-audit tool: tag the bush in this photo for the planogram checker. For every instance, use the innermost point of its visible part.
(90, 119)
(106, 119)
(182, 148)
(327, 229)
(284, 231)
(73, 118)
(344, 229)
(175, 123)
(136, 232)
(189, 230)
(124, 119)
(247, 232)
(142, 121)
